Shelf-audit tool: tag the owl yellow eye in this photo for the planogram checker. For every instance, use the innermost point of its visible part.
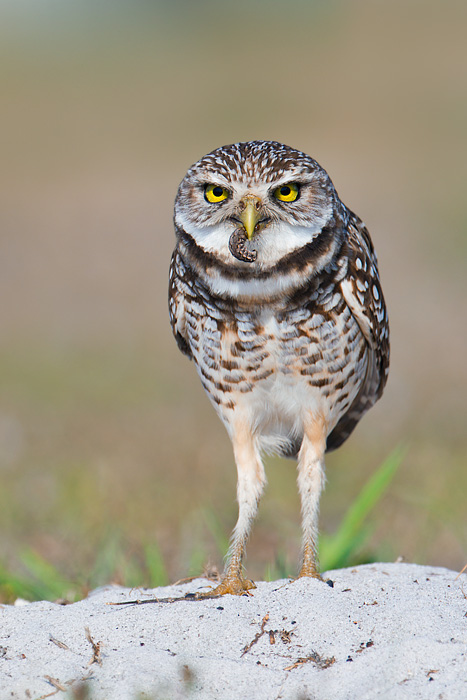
(215, 193)
(287, 193)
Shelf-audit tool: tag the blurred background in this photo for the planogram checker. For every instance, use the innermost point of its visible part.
(108, 445)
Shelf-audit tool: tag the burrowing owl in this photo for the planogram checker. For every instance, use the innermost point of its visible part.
(275, 294)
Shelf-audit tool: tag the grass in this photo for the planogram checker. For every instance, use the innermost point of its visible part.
(340, 549)
(39, 580)
(349, 545)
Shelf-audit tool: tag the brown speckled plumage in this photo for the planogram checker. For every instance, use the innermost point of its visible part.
(290, 337)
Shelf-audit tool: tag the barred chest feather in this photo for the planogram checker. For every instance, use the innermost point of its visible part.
(272, 362)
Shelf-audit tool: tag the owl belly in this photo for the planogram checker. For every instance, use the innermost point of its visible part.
(274, 371)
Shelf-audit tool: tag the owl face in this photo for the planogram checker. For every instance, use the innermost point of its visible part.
(251, 204)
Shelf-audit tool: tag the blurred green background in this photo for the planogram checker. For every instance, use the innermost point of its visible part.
(107, 442)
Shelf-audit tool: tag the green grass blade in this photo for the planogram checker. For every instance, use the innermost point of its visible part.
(47, 583)
(336, 549)
(13, 586)
(278, 569)
(155, 565)
(106, 565)
(198, 560)
(130, 573)
(216, 531)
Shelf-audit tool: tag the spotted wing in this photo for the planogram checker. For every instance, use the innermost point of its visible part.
(177, 302)
(362, 292)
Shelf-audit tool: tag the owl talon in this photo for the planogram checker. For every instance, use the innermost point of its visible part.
(317, 576)
(231, 585)
(312, 572)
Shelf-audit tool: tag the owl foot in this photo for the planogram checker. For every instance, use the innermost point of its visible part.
(234, 585)
(317, 576)
(311, 571)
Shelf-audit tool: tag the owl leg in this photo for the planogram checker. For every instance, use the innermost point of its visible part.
(250, 486)
(311, 480)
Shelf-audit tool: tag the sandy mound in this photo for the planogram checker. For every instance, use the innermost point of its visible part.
(383, 631)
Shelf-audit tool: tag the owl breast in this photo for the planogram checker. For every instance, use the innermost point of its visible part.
(272, 366)
(287, 325)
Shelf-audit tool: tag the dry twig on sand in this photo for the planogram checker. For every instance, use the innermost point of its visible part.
(315, 658)
(257, 636)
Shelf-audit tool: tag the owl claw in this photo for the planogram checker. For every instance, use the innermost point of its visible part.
(233, 585)
(312, 572)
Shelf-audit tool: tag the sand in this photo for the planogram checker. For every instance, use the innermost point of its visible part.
(383, 631)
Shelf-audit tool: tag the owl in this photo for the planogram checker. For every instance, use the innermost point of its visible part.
(274, 293)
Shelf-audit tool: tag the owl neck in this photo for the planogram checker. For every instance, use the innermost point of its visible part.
(259, 284)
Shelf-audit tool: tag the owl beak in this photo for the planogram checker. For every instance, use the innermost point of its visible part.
(250, 214)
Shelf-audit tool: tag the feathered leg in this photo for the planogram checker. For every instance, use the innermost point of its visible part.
(311, 480)
(251, 480)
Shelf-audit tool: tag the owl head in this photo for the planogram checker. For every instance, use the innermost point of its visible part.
(252, 205)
